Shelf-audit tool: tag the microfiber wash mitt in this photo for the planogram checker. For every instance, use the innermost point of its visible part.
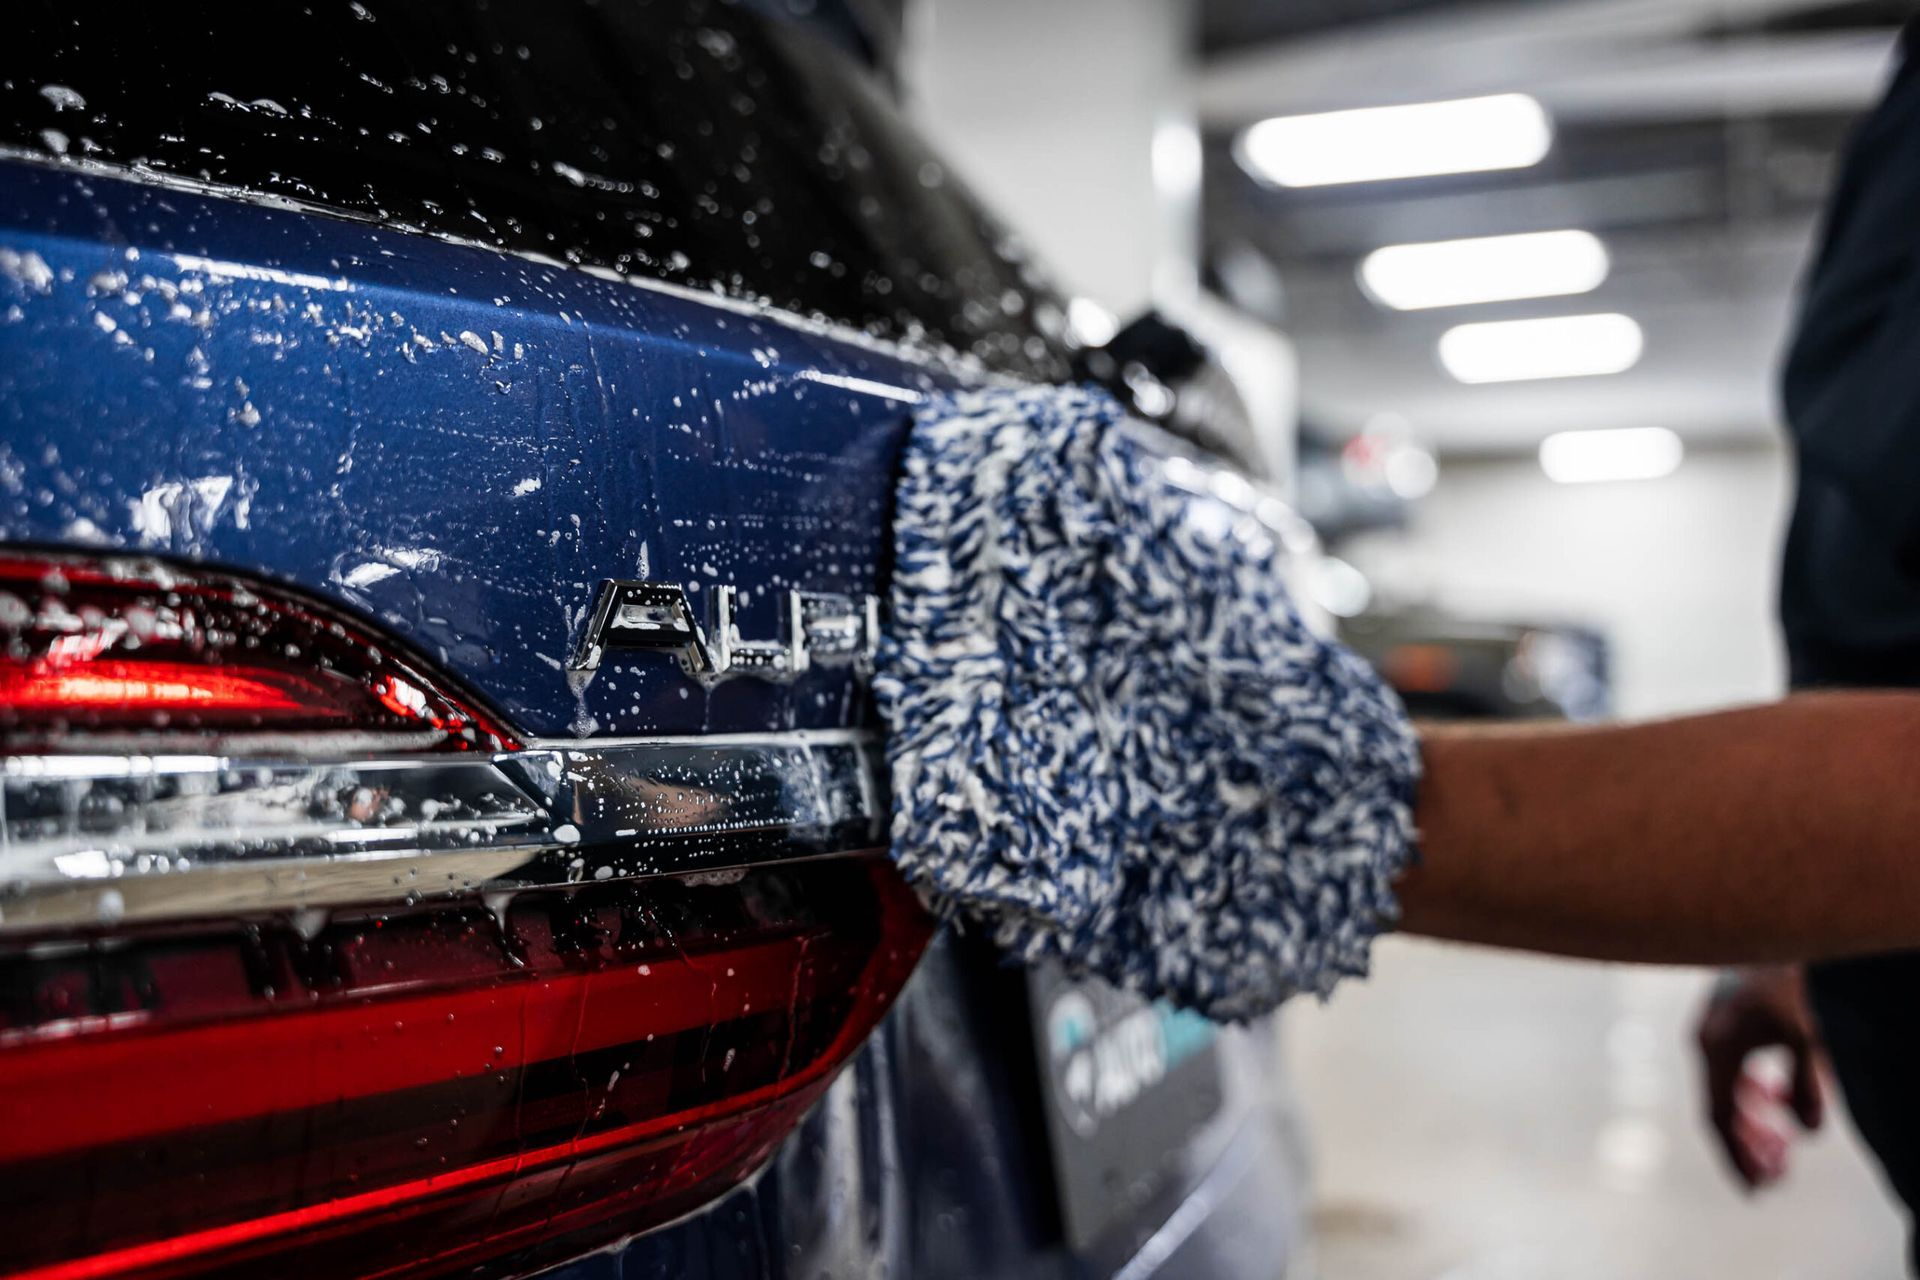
(1113, 739)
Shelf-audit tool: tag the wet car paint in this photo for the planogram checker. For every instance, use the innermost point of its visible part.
(748, 150)
(327, 402)
(459, 443)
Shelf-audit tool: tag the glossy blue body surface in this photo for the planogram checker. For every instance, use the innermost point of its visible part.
(459, 444)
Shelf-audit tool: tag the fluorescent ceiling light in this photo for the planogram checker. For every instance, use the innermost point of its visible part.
(1628, 453)
(1560, 347)
(1091, 323)
(1452, 273)
(1465, 135)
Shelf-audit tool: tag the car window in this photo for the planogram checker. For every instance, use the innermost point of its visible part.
(704, 143)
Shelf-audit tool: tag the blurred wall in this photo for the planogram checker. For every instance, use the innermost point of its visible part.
(1679, 572)
(1072, 119)
(1482, 1115)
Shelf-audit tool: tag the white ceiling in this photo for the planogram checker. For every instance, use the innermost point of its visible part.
(1580, 57)
(1712, 291)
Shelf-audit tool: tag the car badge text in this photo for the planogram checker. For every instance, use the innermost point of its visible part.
(818, 629)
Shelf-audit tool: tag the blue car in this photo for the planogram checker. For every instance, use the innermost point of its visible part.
(445, 467)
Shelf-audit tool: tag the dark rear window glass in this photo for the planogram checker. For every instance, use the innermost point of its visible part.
(701, 142)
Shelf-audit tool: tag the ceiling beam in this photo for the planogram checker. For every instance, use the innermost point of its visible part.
(1583, 58)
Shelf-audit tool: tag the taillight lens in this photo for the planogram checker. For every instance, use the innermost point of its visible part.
(288, 990)
(430, 1092)
(97, 652)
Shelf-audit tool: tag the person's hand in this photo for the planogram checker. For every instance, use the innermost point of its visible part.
(1752, 1010)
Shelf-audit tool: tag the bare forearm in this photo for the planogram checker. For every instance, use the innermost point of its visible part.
(1783, 832)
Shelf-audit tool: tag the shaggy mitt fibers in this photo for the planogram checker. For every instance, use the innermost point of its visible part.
(1112, 738)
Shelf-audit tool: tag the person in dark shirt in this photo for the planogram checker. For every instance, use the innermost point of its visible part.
(1850, 608)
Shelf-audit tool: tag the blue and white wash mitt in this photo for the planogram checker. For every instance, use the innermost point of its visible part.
(1113, 738)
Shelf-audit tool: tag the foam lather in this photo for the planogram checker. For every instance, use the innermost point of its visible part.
(1113, 739)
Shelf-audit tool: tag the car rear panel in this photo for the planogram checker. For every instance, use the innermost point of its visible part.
(458, 443)
(454, 438)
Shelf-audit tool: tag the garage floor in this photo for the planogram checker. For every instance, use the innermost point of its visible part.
(1479, 1116)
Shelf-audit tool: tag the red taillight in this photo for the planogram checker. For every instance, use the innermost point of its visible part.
(95, 650)
(475, 1064)
(54, 689)
(430, 1092)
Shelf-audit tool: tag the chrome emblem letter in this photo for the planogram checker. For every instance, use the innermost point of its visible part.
(817, 628)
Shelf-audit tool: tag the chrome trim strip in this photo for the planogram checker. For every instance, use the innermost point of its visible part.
(88, 840)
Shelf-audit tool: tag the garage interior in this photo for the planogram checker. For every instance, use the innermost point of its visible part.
(1471, 1115)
